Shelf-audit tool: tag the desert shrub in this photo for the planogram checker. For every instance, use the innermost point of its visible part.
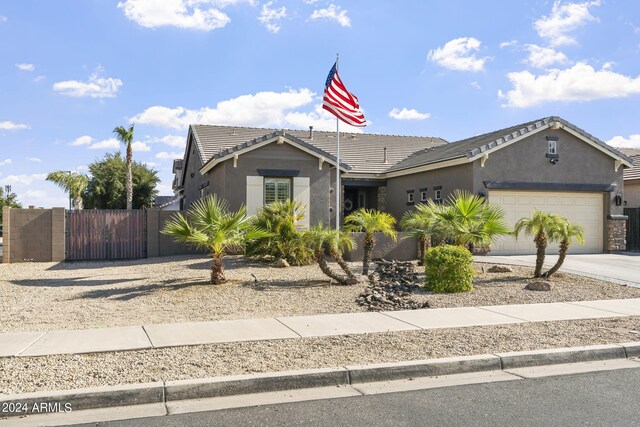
(448, 269)
(285, 241)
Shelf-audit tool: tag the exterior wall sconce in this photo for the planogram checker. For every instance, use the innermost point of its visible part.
(554, 161)
(482, 194)
(618, 200)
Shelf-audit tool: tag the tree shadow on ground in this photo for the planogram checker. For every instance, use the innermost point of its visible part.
(488, 281)
(71, 281)
(83, 265)
(129, 293)
(283, 285)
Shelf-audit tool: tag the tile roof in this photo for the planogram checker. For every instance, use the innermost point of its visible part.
(634, 172)
(475, 145)
(363, 152)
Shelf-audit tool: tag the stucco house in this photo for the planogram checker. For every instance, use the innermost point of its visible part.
(632, 180)
(547, 164)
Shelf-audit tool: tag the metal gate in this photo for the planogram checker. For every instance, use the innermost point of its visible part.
(633, 229)
(106, 234)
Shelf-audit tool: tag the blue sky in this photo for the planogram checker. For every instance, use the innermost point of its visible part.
(72, 70)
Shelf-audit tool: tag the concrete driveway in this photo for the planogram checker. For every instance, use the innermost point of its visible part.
(622, 268)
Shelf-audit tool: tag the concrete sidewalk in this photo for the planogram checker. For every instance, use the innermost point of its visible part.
(23, 344)
(621, 268)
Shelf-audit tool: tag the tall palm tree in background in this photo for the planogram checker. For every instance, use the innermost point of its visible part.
(564, 232)
(370, 221)
(212, 226)
(539, 226)
(72, 183)
(421, 224)
(468, 220)
(126, 137)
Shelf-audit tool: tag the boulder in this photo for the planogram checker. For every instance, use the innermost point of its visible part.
(538, 285)
(281, 263)
(500, 269)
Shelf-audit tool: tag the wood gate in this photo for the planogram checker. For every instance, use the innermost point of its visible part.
(106, 234)
(633, 229)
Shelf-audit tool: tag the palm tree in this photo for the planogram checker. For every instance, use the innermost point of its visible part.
(370, 221)
(338, 242)
(71, 182)
(126, 137)
(212, 226)
(564, 232)
(420, 224)
(468, 220)
(317, 238)
(539, 226)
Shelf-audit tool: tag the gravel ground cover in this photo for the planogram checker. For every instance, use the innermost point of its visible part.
(49, 296)
(20, 375)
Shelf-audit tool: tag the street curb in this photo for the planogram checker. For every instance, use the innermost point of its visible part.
(170, 391)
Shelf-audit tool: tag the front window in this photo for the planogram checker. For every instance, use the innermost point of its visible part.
(277, 190)
(553, 149)
(438, 195)
(423, 196)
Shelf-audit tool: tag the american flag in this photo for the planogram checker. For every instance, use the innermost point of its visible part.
(340, 102)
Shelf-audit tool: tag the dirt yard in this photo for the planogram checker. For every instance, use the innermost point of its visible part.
(48, 296)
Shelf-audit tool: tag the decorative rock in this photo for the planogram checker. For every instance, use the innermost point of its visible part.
(281, 263)
(539, 285)
(390, 286)
(500, 269)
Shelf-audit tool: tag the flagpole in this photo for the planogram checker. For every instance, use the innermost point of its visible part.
(338, 187)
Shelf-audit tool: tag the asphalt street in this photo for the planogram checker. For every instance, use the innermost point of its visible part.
(598, 398)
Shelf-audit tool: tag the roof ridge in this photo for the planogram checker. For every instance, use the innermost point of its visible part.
(519, 126)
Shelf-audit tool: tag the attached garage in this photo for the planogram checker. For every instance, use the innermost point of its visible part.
(581, 208)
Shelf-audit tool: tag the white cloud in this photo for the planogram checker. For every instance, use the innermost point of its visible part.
(35, 159)
(82, 140)
(270, 17)
(151, 164)
(24, 179)
(406, 114)
(475, 85)
(95, 87)
(621, 142)
(3, 18)
(458, 54)
(177, 13)
(140, 146)
(105, 143)
(542, 57)
(508, 43)
(332, 13)
(36, 194)
(564, 19)
(25, 67)
(171, 140)
(578, 83)
(39, 79)
(6, 162)
(12, 126)
(163, 155)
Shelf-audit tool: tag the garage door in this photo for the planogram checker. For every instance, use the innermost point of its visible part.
(581, 208)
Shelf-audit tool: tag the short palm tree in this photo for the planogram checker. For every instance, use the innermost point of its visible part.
(370, 221)
(565, 233)
(421, 224)
(468, 220)
(539, 226)
(126, 137)
(318, 238)
(71, 182)
(210, 225)
(338, 242)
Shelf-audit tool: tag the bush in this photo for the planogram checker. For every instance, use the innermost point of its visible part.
(280, 219)
(448, 269)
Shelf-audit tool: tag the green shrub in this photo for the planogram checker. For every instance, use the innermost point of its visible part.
(448, 269)
(280, 219)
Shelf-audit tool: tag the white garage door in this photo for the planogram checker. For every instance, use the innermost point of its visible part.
(581, 208)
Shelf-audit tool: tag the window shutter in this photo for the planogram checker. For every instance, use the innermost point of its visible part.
(302, 195)
(255, 194)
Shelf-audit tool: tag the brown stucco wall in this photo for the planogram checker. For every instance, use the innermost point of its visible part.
(192, 184)
(632, 193)
(402, 249)
(451, 178)
(230, 182)
(34, 235)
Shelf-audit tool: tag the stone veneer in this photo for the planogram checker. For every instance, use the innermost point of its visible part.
(382, 199)
(616, 233)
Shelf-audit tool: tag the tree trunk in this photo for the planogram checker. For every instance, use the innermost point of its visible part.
(322, 263)
(562, 254)
(78, 203)
(217, 269)
(541, 247)
(423, 246)
(129, 182)
(368, 244)
(337, 257)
